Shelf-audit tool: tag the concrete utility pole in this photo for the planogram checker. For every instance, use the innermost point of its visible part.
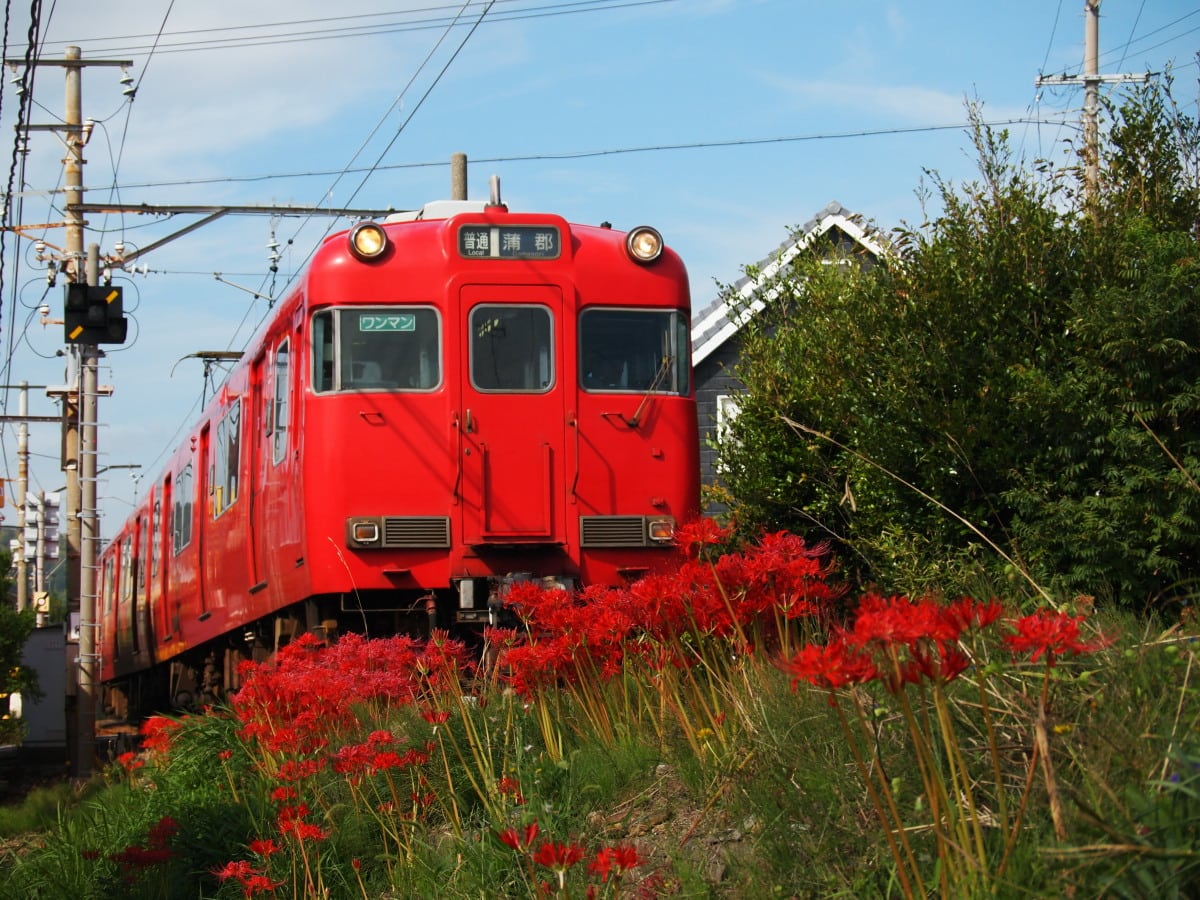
(22, 420)
(1091, 81)
(79, 416)
(22, 488)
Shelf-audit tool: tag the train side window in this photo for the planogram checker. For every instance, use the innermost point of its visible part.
(227, 453)
(142, 557)
(278, 421)
(512, 348)
(155, 531)
(181, 512)
(322, 352)
(634, 350)
(108, 589)
(126, 595)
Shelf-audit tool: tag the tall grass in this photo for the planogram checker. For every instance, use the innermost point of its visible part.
(742, 728)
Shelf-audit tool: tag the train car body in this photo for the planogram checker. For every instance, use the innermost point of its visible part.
(442, 404)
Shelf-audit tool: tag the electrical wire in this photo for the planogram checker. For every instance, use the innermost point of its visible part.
(325, 34)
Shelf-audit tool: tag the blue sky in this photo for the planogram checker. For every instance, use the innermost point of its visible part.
(723, 123)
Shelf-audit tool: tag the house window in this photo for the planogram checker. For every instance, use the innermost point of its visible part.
(727, 410)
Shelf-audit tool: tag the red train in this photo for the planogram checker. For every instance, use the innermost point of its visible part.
(444, 403)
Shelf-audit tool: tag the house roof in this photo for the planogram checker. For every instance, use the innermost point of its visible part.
(720, 321)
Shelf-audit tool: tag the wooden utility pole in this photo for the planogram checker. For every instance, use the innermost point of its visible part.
(1091, 81)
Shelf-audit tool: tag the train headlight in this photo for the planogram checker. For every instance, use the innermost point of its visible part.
(363, 532)
(368, 240)
(661, 530)
(644, 244)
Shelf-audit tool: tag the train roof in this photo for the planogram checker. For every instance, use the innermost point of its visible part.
(438, 209)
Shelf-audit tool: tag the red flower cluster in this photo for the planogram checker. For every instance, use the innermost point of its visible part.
(614, 861)
(559, 857)
(253, 881)
(135, 859)
(130, 762)
(899, 641)
(895, 640)
(311, 691)
(157, 732)
(1051, 634)
(291, 821)
(739, 598)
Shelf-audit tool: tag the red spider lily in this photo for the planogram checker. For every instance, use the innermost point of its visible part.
(435, 716)
(887, 621)
(380, 737)
(304, 831)
(238, 868)
(512, 788)
(627, 856)
(831, 667)
(291, 821)
(519, 842)
(259, 884)
(284, 794)
(614, 860)
(558, 857)
(1051, 634)
(157, 732)
(699, 533)
(135, 857)
(225, 755)
(130, 762)
(251, 879)
(160, 833)
(264, 847)
(299, 769)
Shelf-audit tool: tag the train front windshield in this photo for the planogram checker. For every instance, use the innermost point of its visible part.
(634, 350)
(377, 348)
(511, 350)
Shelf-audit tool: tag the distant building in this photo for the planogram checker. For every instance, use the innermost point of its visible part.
(716, 343)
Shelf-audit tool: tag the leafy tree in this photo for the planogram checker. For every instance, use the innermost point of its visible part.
(1014, 392)
(15, 628)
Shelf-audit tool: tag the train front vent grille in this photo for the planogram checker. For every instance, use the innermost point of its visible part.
(416, 531)
(612, 531)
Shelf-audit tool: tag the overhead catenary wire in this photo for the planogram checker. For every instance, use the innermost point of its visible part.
(338, 33)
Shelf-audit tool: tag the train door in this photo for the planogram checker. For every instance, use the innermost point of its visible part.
(142, 637)
(125, 626)
(511, 415)
(257, 427)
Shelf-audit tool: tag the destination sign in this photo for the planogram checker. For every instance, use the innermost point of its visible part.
(389, 322)
(509, 242)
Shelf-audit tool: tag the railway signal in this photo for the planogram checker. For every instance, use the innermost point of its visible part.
(95, 314)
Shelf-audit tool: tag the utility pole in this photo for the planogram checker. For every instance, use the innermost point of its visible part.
(79, 416)
(22, 420)
(1091, 81)
(22, 489)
